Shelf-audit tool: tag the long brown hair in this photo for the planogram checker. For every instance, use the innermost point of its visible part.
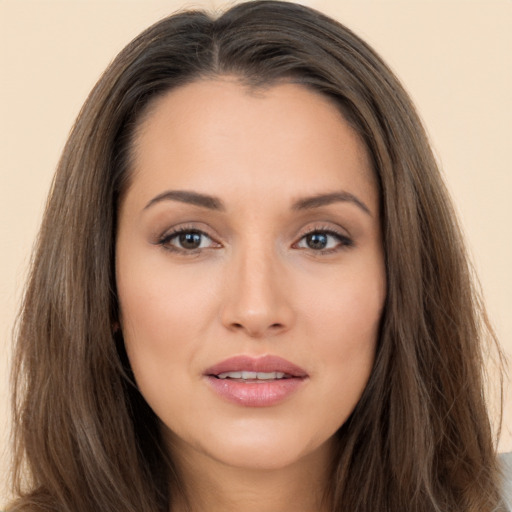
(420, 437)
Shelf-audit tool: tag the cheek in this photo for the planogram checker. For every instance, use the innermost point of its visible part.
(348, 342)
(159, 341)
(347, 308)
(157, 303)
(159, 320)
(344, 323)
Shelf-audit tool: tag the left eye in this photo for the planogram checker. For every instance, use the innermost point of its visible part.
(187, 240)
(322, 240)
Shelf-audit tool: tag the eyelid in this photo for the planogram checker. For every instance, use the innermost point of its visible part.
(346, 241)
(165, 238)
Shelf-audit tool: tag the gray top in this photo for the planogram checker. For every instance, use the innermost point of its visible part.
(506, 460)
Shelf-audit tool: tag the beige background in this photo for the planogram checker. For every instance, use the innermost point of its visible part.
(453, 56)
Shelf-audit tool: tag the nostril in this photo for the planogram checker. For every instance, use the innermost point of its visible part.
(255, 330)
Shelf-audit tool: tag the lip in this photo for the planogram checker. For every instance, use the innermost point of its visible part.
(252, 393)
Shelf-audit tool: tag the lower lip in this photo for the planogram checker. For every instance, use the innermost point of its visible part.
(255, 394)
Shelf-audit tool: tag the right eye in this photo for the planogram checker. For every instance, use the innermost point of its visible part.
(187, 241)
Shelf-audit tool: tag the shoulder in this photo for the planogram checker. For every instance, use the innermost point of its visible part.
(506, 464)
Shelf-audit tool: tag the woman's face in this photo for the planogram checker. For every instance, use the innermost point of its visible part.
(250, 271)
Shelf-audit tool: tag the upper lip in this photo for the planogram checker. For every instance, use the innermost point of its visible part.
(264, 364)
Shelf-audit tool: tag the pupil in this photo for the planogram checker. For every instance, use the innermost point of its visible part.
(317, 241)
(190, 240)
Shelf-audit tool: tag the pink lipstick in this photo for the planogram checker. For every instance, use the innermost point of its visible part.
(255, 381)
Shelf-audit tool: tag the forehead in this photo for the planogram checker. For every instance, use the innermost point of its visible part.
(210, 132)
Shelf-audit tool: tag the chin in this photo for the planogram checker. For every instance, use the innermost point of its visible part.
(264, 447)
(260, 457)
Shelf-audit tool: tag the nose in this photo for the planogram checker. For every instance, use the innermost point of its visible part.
(257, 298)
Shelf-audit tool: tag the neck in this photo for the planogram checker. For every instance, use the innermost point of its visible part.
(214, 486)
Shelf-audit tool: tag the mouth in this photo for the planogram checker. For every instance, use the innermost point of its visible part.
(255, 382)
(246, 376)
(262, 368)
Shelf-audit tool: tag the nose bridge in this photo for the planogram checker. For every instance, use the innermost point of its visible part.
(256, 301)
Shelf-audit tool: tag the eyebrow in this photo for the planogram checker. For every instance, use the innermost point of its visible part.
(214, 203)
(189, 197)
(326, 199)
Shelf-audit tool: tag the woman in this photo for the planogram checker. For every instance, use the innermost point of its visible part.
(250, 289)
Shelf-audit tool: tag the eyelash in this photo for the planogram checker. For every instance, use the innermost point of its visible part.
(344, 242)
(165, 240)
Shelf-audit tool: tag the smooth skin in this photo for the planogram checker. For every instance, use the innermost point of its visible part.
(261, 266)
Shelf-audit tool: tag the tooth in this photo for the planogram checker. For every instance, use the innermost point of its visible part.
(247, 375)
(263, 375)
(230, 375)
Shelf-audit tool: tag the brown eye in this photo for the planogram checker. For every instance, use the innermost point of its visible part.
(190, 240)
(187, 240)
(324, 241)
